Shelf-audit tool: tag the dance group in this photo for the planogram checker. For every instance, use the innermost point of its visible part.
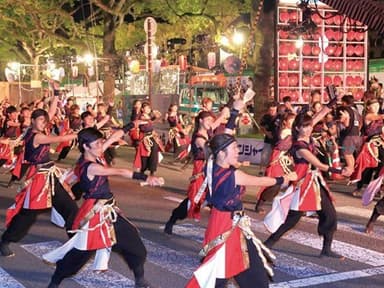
(295, 173)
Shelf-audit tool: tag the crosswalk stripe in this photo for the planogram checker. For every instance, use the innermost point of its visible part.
(86, 276)
(284, 263)
(7, 281)
(330, 278)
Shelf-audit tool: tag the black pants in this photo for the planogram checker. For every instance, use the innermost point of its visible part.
(181, 211)
(128, 245)
(150, 162)
(327, 219)
(255, 276)
(23, 221)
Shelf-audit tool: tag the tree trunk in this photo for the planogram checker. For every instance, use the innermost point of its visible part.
(109, 55)
(265, 64)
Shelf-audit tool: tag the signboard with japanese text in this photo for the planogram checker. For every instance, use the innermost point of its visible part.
(250, 149)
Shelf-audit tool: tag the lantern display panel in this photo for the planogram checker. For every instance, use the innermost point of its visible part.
(333, 51)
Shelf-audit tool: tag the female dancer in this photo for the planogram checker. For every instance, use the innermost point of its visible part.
(230, 247)
(147, 153)
(100, 225)
(310, 192)
(190, 207)
(280, 162)
(177, 137)
(42, 188)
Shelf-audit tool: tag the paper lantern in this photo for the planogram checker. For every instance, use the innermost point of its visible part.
(283, 34)
(283, 49)
(305, 96)
(293, 65)
(316, 66)
(330, 50)
(350, 50)
(328, 65)
(316, 80)
(316, 50)
(316, 18)
(337, 65)
(338, 35)
(295, 95)
(350, 81)
(350, 65)
(307, 65)
(211, 60)
(292, 48)
(306, 81)
(359, 50)
(283, 64)
(329, 18)
(358, 95)
(338, 51)
(357, 81)
(351, 35)
(359, 65)
(359, 36)
(327, 80)
(283, 81)
(284, 17)
(182, 62)
(293, 16)
(337, 81)
(338, 19)
(329, 34)
(293, 80)
(307, 50)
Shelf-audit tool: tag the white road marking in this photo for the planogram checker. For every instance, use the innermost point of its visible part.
(173, 199)
(330, 278)
(86, 276)
(7, 281)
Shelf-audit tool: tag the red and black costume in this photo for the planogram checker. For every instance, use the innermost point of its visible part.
(41, 190)
(309, 193)
(100, 227)
(190, 206)
(230, 248)
(176, 138)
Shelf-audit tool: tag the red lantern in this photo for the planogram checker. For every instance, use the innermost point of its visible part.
(357, 81)
(328, 65)
(338, 19)
(211, 60)
(316, 50)
(359, 95)
(338, 35)
(329, 34)
(338, 65)
(338, 51)
(294, 95)
(359, 50)
(293, 80)
(316, 80)
(350, 65)
(283, 49)
(350, 81)
(182, 62)
(359, 65)
(283, 81)
(284, 17)
(330, 50)
(307, 50)
(292, 48)
(316, 18)
(283, 64)
(293, 65)
(305, 96)
(337, 81)
(351, 35)
(327, 80)
(306, 81)
(307, 65)
(329, 18)
(283, 34)
(350, 50)
(359, 36)
(293, 16)
(316, 66)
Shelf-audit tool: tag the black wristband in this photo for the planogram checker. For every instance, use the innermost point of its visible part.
(128, 127)
(279, 180)
(231, 124)
(335, 170)
(139, 176)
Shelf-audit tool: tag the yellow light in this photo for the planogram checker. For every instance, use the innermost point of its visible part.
(224, 41)
(88, 59)
(238, 38)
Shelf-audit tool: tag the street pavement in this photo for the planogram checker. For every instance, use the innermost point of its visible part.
(172, 259)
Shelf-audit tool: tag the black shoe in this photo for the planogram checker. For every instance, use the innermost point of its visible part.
(331, 254)
(5, 250)
(142, 283)
(269, 243)
(168, 228)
